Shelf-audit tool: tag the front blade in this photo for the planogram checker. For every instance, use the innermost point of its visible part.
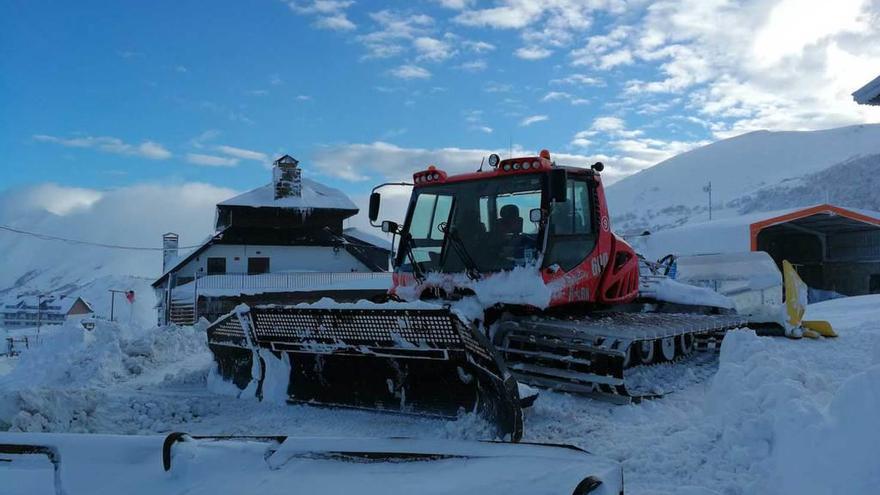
(415, 361)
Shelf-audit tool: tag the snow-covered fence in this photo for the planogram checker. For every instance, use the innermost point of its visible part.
(13, 345)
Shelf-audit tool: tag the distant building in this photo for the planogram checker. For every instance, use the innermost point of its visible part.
(276, 242)
(833, 248)
(27, 312)
(869, 94)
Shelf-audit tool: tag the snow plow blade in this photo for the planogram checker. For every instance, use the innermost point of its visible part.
(411, 361)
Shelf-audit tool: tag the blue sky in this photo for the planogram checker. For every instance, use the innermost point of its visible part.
(100, 95)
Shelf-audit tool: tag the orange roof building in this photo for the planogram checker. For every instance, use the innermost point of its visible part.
(833, 247)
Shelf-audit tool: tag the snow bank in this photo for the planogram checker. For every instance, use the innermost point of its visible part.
(58, 383)
(773, 418)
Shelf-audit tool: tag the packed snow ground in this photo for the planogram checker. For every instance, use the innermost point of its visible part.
(769, 415)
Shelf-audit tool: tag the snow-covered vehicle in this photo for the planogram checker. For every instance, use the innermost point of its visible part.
(35, 464)
(482, 299)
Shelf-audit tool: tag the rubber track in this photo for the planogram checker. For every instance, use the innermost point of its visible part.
(588, 356)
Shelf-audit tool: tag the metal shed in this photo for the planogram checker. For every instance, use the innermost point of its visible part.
(834, 248)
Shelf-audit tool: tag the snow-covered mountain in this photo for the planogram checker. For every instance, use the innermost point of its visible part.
(130, 216)
(758, 171)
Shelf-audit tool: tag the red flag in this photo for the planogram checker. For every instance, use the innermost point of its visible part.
(130, 296)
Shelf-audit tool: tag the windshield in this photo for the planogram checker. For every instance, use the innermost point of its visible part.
(489, 217)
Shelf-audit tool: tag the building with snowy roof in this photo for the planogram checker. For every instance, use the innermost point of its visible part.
(834, 248)
(44, 311)
(869, 94)
(284, 241)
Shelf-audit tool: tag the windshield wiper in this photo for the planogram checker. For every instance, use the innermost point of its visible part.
(409, 244)
(471, 269)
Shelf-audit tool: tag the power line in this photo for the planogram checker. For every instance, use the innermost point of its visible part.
(47, 237)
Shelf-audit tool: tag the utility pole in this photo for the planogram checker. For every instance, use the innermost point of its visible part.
(39, 313)
(708, 189)
(113, 293)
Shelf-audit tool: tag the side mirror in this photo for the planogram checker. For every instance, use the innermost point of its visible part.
(558, 185)
(389, 227)
(536, 215)
(375, 198)
(598, 166)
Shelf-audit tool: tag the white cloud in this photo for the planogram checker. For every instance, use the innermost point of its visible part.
(629, 150)
(542, 25)
(455, 4)
(781, 65)
(393, 30)
(51, 197)
(613, 59)
(496, 87)
(303, 97)
(147, 149)
(336, 22)
(533, 119)
(556, 95)
(409, 71)
(502, 17)
(608, 124)
(380, 161)
(578, 79)
(582, 139)
(478, 46)
(211, 160)
(599, 46)
(563, 96)
(433, 49)
(242, 153)
(328, 14)
(474, 66)
(532, 52)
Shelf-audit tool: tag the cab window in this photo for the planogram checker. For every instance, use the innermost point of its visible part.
(572, 233)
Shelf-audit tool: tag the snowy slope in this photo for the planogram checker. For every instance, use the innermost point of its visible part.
(748, 173)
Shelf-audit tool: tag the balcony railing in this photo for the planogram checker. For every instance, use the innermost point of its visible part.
(288, 280)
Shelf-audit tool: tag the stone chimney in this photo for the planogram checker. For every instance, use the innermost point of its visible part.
(169, 250)
(287, 177)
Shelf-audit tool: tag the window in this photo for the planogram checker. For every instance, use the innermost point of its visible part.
(874, 284)
(572, 235)
(216, 266)
(258, 265)
(430, 211)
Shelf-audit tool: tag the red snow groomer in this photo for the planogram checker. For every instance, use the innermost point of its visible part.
(559, 301)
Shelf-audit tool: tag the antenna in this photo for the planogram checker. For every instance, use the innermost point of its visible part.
(481, 164)
(509, 145)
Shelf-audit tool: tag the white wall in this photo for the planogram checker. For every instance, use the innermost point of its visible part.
(281, 259)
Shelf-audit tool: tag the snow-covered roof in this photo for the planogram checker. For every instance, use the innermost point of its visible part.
(728, 235)
(367, 237)
(869, 94)
(314, 195)
(67, 303)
